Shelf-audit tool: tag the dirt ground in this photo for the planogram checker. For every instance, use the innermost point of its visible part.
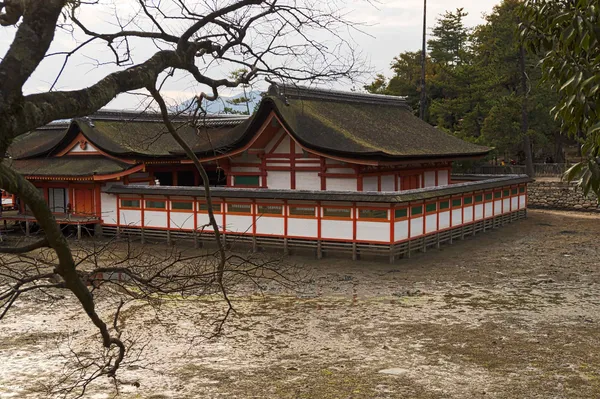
(513, 313)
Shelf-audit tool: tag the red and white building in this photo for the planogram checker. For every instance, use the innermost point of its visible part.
(310, 169)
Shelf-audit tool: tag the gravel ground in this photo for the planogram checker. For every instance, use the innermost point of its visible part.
(513, 313)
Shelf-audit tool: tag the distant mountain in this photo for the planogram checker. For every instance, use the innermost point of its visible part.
(228, 105)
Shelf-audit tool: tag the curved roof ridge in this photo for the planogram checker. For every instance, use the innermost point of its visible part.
(309, 93)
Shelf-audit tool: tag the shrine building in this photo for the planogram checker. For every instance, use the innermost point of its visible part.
(317, 169)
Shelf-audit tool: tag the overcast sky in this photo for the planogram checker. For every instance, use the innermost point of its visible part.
(393, 26)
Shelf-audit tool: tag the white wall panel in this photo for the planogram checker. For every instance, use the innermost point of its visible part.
(284, 146)
(130, 218)
(456, 217)
(489, 209)
(278, 179)
(468, 214)
(522, 201)
(270, 225)
(302, 227)
(182, 220)
(203, 223)
(506, 204)
(370, 183)
(444, 220)
(401, 230)
(155, 219)
(387, 183)
(341, 184)
(430, 223)
(442, 177)
(478, 211)
(497, 207)
(108, 207)
(339, 229)
(239, 223)
(308, 181)
(373, 231)
(429, 178)
(515, 203)
(416, 227)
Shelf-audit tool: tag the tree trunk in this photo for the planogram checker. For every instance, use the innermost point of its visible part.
(423, 55)
(524, 116)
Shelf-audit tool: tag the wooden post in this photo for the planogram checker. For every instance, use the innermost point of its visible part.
(27, 227)
(196, 244)
(392, 257)
(254, 246)
(354, 252)
(319, 252)
(286, 251)
(437, 244)
(79, 231)
(143, 236)
(408, 249)
(168, 236)
(462, 231)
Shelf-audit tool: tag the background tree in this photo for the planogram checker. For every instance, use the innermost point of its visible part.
(566, 34)
(474, 85)
(191, 37)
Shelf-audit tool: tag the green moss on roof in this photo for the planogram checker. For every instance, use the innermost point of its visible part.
(369, 130)
(69, 166)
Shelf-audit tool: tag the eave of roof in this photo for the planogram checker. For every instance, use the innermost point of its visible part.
(477, 184)
(76, 167)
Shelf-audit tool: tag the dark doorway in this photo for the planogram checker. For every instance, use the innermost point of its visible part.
(164, 178)
(186, 178)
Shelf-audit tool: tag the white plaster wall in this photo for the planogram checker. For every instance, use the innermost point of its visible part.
(416, 227)
(478, 211)
(522, 201)
(456, 217)
(373, 231)
(273, 141)
(339, 229)
(130, 218)
(239, 223)
(497, 207)
(155, 219)
(308, 181)
(401, 230)
(108, 207)
(429, 178)
(204, 224)
(468, 214)
(506, 202)
(489, 209)
(270, 225)
(442, 177)
(182, 220)
(340, 170)
(341, 184)
(370, 183)
(515, 203)
(430, 223)
(303, 227)
(387, 183)
(284, 146)
(278, 179)
(444, 220)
